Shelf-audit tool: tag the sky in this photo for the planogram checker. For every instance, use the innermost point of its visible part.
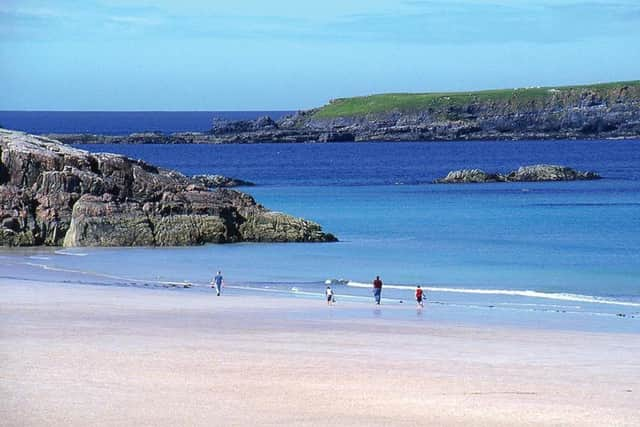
(291, 54)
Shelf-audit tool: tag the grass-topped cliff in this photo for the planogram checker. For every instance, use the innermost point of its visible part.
(516, 98)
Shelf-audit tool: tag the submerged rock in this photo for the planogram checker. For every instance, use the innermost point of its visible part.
(52, 194)
(534, 173)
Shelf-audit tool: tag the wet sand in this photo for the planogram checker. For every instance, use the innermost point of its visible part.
(87, 355)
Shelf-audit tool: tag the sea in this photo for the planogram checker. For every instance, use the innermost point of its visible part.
(556, 254)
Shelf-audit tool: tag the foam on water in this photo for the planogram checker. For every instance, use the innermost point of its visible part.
(70, 253)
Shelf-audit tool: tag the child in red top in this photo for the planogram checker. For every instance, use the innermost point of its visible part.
(419, 294)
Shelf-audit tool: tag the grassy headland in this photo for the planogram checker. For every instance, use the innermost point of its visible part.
(412, 102)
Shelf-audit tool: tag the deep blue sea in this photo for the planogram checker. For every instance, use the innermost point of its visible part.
(566, 250)
(122, 122)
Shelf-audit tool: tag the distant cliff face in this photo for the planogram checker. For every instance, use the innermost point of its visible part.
(598, 111)
(52, 194)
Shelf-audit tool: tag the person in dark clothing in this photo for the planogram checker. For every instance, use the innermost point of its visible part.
(377, 289)
(419, 296)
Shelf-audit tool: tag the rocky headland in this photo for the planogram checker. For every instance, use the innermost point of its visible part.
(610, 110)
(53, 194)
(534, 173)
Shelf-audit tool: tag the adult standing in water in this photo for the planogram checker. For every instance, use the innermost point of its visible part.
(218, 282)
(377, 289)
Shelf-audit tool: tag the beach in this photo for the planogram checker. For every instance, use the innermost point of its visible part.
(74, 354)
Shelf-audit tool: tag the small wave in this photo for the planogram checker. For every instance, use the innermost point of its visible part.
(336, 282)
(66, 252)
(109, 276)
(511, 292)
(44, 258)
(48, 267)
(555, 306)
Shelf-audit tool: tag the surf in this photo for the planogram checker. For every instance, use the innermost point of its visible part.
(507, 292)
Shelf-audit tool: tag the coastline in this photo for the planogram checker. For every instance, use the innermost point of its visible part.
(597, 111)
(76, 354)
(204, 138)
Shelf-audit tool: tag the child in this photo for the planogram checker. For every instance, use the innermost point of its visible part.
(419, 295)
(330, 297)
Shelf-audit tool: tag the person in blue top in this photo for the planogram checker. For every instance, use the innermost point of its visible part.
(218, 283)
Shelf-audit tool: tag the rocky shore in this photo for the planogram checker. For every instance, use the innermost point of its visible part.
(534, 173)
(53, 194)
(609, 110)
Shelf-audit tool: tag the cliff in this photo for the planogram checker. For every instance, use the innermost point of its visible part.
(52, 194)
(610, 110)
(595, 111)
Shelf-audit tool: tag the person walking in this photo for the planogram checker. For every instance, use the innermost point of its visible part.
(419, 295)
(377, 289)
(329, 294)
(218, 283)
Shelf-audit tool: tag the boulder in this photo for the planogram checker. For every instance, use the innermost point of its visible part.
(277, 227)
(52, 194)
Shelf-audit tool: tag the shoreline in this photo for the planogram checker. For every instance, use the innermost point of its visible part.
(82, 354)
(461, 305)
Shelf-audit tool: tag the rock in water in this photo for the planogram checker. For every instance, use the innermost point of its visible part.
(535, 173)
(549, 173)
(469, 176)
(53, 194)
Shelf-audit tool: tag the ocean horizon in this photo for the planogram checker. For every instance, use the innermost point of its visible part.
(123, 122)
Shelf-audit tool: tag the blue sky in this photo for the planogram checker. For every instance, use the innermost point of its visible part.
(281, 54)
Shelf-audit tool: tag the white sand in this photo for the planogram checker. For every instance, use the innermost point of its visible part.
(85, 355)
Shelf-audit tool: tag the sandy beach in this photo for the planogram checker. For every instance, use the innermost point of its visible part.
(95, 355)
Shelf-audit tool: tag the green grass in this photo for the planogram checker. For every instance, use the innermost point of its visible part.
(408, 102)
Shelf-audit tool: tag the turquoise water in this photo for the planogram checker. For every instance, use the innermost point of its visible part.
(520, 247)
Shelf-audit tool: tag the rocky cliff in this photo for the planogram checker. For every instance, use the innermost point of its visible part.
(52, 194)
(610, 110)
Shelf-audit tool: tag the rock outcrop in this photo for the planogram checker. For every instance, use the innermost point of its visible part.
(535, 173)
(215, 181)
(549, 173)
(470, 176)
(609, 110)
(53, 194)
